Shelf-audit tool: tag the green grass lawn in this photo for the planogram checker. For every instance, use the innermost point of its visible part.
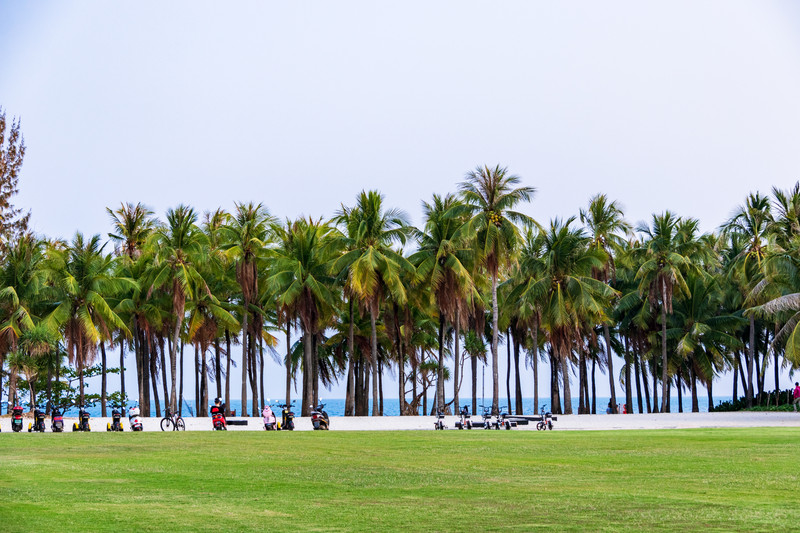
(719, 479)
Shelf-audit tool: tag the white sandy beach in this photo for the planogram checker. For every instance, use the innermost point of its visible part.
(563, 422)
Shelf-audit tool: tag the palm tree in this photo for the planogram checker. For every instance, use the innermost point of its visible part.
(181, 248)
(660, 273)
(371, 266)
(754, 222)
(442, 264)
(606, 221)
(85, 280)
(562, 287)
(490, 196)
(246, 235)
(300, 276)
(22, 294)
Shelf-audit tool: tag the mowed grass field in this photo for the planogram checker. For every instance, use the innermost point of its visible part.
(675, 480)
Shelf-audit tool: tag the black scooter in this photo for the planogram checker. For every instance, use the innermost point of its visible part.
(38, 420)
(319, 418)
(465, 422)
(56, 420)
(116, 420)
(16, 418)
(287, 417)
(83, 420)
(487, 418)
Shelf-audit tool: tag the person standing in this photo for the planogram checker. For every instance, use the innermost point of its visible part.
(796, 395)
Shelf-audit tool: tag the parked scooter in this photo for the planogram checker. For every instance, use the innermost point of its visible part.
(270, 422)
(16, 418)
(439, 424)
(38, 420)
(135, 419)
(487, 418)
(116, 420)
(502, 422)
(319, 418)
(218, 416)
(83, 420)
(547, 420)
(287, 417)
(465, 422)
(56, 419)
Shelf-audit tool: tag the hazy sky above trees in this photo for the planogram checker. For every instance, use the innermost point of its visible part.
(685, 106)
(679, 105)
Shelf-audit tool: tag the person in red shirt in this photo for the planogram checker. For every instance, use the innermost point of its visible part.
(796, 395)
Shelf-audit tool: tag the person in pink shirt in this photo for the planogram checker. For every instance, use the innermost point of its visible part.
(796, 395)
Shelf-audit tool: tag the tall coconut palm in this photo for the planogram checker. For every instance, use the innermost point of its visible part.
(371, 266)
(301, 277)
(490, 196)
(606, 223)
(442, 263)
(660, 273)
(85, 280)
(754, 222)
(563, 288)
(181, 247)
(246, 235)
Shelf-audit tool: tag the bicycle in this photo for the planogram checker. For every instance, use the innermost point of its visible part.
(546, 422)
(174, 420)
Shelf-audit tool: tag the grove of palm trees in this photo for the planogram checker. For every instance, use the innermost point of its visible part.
(658, 310)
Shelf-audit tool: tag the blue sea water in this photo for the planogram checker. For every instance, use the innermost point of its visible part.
(391, 406)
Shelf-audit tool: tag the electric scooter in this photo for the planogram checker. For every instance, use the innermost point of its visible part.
(135, 420)
(16, 418)
(83, 420)
(287, 417)
(319, 418)
(502, 422)
(56, 420)
(487, 418)
(439, 424)
(116, 423)
(38, 420)
(270, 422)
(465, 422)
(546, 422)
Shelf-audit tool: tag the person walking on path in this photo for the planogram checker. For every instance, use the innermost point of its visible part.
(796, 395)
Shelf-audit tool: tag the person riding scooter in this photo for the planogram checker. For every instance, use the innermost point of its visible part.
(218, 415)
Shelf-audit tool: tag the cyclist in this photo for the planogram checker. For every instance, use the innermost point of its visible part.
(218, 412)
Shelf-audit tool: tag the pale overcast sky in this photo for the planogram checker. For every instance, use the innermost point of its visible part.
(679, 105)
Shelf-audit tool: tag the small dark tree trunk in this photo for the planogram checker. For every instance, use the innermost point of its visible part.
(695, 403)
(227, 372)
(154, 374)
(750, 359)
(103, 390)
(645, 384)
(611, 380)
(709, 387)
(288, 362)
(680, 392)
(121, 372)
(197, 380)
(628, 377)
(594, 386)
(261, 368)
(457, 366)
(517, 383)
(508, 370)
(180, 384)
(218, 367)
(380, 386)
(308, 372)
(351, 367)
(637, 372)
(474, 362)
(164, 375)
(535, 361)
(664, 377)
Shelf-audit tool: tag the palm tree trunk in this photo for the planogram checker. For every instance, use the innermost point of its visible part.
(218, 366)
(351, 391)
(180, 390)
(154, 373)
(401, 363)
(680, 393)
(582, 407)
(777, 386)
(495, 371)
(173, 361)
(535, 361)
(508, 370)
(645, 383)
(695, 403)
(567, 393)
(308, 372)
(594, 387)
(664, 381)
(474, 360)
(103, 379)
(253, 371)
(261, 367)
(628, 386)
(121, 371)
(246, 312)
(197, 379)
(374, 361)
(440, 367)
(288, 362)
(203, 386)
(164, 373)
(709, 389)
(637, 373)
(227, 372)
(750, 358)
(611, 380)
(457, 363)
(517, 383)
